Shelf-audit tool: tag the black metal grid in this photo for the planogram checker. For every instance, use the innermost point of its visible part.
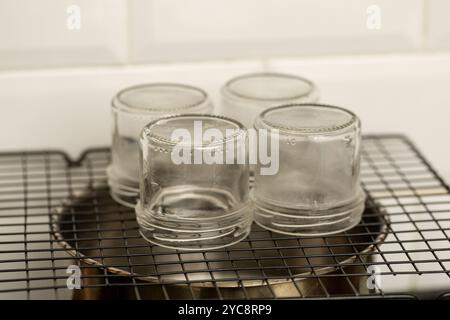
(403, 238)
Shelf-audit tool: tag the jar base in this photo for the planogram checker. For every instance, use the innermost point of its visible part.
(128, 201)
(194, 235)
(124, 192)
(233, 237)
(309, 223)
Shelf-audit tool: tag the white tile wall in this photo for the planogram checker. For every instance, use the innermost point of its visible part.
(44, 33)
(439, 24)
(391, 94)
(204, 29)
(35, 34)
(71, 109)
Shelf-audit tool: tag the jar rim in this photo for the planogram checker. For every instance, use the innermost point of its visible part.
(232, 93)
(262, 120)
(120, 104)
(240, 132)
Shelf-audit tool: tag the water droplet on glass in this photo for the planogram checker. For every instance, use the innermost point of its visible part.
(291, 141)
(348, 140)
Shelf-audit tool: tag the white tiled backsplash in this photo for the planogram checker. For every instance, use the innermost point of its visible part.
(44, 33)
(202, 29)
(439, 24)
(55, 33)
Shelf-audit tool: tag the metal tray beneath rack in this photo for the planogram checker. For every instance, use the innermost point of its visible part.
(56, 213)
(265, 264)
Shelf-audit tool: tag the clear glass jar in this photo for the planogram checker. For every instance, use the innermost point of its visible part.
(190, 199)
(132, 109)
(316, 190)
(246, 96)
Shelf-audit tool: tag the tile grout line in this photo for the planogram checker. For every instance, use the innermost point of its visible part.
(425, 40)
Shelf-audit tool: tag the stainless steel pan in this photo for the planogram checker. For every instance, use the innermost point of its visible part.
(104, 237)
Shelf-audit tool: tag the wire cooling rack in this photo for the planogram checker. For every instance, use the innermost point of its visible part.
(59, 229)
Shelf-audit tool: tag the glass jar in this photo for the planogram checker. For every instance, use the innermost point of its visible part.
(246, 96)
(194, 182)
(316, 189)
(132, 109)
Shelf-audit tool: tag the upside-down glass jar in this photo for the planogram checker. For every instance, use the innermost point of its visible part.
(316, 189)
(246, 96)
(194, 182)
(132, 109)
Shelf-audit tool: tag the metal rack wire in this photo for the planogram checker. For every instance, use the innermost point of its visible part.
(56, 213)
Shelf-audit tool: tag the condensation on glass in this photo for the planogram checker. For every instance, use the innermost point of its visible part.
(246, 96)
(190, 199)
(316, 190)
(132, 109)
